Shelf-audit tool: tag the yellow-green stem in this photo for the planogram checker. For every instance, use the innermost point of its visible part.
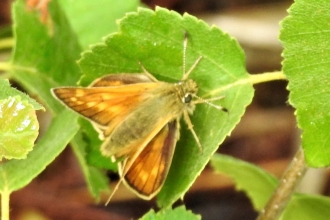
(5, 204)
(265, 77)
(253, 79)
(5, 66)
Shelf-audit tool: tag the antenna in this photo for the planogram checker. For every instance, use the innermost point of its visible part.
(209, 102)
(185, 43)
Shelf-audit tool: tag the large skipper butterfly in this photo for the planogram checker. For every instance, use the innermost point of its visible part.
(138, 118)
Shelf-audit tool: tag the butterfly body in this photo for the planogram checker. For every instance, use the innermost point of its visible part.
(161, 105)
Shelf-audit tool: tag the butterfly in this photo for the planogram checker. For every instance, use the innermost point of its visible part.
(138, 117)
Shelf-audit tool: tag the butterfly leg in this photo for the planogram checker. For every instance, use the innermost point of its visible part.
(190, 127)
(113, 159)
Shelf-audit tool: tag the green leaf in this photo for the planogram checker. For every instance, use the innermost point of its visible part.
(92, 20)
(254, 181)
(15, 174)
(305, 34)
(306, 207)
(155, 39)
(6, 91)
(96, 180)
(44, 54)
(259, 186)
(45, 57)
(179, 213)
(19, 128)
(93, 153)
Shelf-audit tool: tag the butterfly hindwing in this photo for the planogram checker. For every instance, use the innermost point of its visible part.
(146, 172)
(119, 80)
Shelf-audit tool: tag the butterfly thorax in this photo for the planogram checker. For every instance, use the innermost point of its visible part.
(186, 90)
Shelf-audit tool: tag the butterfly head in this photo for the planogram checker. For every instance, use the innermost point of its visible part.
(187, 89)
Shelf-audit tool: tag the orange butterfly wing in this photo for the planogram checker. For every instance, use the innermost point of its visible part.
(106, 103)
(146, 171)
(109, 98)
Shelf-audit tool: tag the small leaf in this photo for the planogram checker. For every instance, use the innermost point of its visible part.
(6, 91)
(15, 174)
(179, 213)
(305, 207)
(305, 34)
(19, 128)
(255, 182)
(155, 39)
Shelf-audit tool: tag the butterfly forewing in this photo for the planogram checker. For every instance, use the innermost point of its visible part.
(115, 99)
(145, 172)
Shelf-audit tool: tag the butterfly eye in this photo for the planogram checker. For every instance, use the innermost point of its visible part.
(187, 98)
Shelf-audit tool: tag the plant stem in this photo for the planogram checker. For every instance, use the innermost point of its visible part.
(265, 77)
(6, 43)
(285, 188)
(5, 204)
(5, 66)
(253, 79)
